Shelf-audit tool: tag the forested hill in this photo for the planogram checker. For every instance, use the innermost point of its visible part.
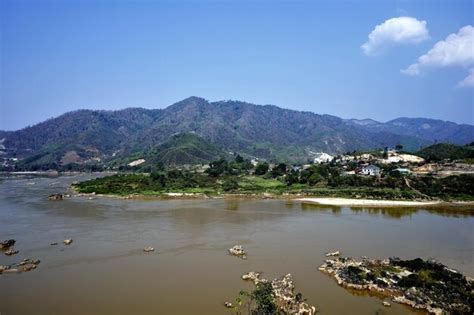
(266, 131)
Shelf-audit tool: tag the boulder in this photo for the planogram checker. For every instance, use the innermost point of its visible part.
(55, 197)
(332, 254)
(238, 250)
(7, 244)
(23, 266)
(11, 252)
(67, 241)
(252, 276)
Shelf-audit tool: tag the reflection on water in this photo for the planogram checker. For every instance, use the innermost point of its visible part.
(232, 205)
(395, 212)
(105, 270)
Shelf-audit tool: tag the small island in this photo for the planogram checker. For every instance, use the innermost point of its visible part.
(422, 284)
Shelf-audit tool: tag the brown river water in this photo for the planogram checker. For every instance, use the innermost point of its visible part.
(105, 271)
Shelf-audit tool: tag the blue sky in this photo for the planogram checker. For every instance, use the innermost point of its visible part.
(58, 56)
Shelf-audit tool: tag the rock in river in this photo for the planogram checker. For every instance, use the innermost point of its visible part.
(67, 241)
(55, 197)
(11, 252)
(6, 244)
(421, 284)
(238, 250)
(252, 276)
(282, 290)
(334, 253)
(23, 266)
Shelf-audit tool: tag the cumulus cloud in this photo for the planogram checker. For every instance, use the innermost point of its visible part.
(456, 50)
(399, 30)
(469, 80)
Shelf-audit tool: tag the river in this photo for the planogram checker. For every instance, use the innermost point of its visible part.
(105, 271)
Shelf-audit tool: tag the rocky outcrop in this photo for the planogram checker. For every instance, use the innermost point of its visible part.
(283, 293)
(421, 284)
(238, 250)
(67, 241)
(23, 266)
(55, 197)
(334, 253)
(253, 276)
(11, 251)
(7, 244)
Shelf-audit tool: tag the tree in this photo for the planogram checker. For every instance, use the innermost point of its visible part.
(279, 170)
(239, 159)
(217, 168)
(262, 168)
(230, 185)
(314, 179)
(398, 147)
(292, 177)
(158, 179)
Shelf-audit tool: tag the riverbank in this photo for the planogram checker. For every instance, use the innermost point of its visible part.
(370, 202)
(304, 199)
(180, 184)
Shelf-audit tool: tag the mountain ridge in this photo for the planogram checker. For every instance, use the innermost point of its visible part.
(264, 131)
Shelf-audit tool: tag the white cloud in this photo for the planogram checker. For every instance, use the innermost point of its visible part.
(455, 50)
(399, 30)
(469, 80)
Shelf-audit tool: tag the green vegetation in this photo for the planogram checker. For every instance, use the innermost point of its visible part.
(445, 151)
(240, 177)
(262, 295)
(258, 302)
(432, 275)
(186, 148)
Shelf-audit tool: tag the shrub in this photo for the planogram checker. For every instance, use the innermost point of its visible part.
(230, 185)
(262, 168)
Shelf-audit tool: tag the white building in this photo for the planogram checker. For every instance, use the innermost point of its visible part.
(371, 170)
(322, 157)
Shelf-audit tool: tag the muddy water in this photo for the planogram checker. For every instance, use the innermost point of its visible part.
(105, 271)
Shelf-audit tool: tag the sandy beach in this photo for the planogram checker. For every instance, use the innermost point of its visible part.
(367, 202)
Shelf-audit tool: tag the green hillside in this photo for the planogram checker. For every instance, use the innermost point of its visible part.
(86, 137)
(185, 148)
(446, 151)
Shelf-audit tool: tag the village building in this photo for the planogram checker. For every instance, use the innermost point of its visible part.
(370, 170)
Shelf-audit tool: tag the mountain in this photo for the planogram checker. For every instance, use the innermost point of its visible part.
(269, 132)
(432, 130)
(264, 130)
